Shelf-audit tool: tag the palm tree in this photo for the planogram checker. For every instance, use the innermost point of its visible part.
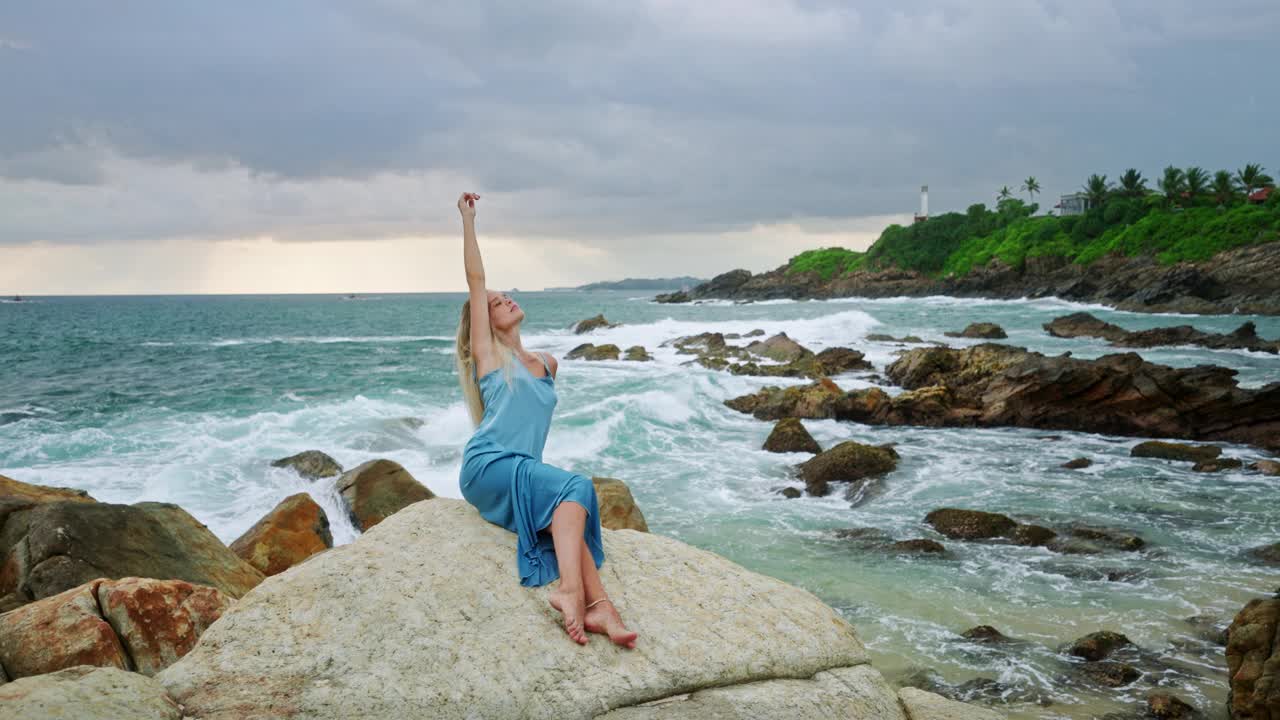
(1197, 181)
(1172, 184)
(1097, 188)
(1251, 178)
(1224, 187)
(1132, 184)
(1032, 187)
(1004, 194)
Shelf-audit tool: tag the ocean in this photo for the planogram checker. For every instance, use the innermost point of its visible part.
(187, 399)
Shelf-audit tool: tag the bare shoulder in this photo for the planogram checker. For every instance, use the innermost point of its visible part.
(551, 362)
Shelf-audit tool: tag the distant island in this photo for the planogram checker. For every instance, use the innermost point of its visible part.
(1202, 243)
(675, 283)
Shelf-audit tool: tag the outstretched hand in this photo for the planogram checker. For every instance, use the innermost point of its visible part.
(467, 204)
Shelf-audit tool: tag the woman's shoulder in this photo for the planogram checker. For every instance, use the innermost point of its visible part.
(550, 360)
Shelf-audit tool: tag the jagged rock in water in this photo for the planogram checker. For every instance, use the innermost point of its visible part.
(618, 509)
(986, 635)
(1169, 707)
(592, 323)
(293, 531)
(1077, 464)
(637, 353)
(847, 462)
(961, 524)
(981, 331)
(836, 360)
(311, 464)
(1098, 646)
(378, 489)
(1218, 465)
(790, 435)
(1253, 660)
(1269, 554)
(779, 348)
(1083, 324)
(589, 351)
(1266, 467)
(1175, 451)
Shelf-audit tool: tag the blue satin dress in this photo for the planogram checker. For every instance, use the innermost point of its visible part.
(504, 477)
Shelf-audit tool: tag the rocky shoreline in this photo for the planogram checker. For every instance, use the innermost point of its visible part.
(1242, 280)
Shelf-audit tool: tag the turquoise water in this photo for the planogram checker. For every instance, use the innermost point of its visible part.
(187, 399)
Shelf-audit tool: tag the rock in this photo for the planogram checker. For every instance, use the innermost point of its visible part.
(1163, 705)
(57, 546)
(1077, 464)
(293, 531)
(1098, 646)
(1266, 467)
(158, 621)
(88, 693)
(1108, 673)
(1031, 535)
(881, 337)
(15, 495)
(922, 705)
(997, 386)
(789, 435)
(588, 351)
(1210, 628)
(836, 360)
(1175, 451)
(311, 464)
(637, 353)
(919, 546)
(847, 462)
(1074, 546)
(779, 348)
(1253, 659)
(791, 493)
(1218, 465)
(618, 509)
(1083, 324)
(1111, 537)
(376, 489)
(136, 624)
(820, 400)
(980, 330)
(592, 323)
(59, 632)
(960, 524)
(986, 635)
(459, 637)
(1269, 554)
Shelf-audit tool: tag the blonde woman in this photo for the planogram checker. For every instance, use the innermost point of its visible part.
(511, 393)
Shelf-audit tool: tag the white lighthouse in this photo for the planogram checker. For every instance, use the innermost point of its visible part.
(924, 204)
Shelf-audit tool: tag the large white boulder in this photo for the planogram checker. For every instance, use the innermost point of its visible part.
(423, 616)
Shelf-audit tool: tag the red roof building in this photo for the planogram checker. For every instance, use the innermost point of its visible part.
(1261, 195)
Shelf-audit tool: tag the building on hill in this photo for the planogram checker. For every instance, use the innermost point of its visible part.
(1073, 204)
(1260, 195)
(924, 204)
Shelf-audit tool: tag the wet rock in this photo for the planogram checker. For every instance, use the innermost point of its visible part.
(960, 524)
(1111, 537)
(779, 348)
(1031, 535)
(881, 337)
(377, 489)
(293, 531)
(1175, 451)
(1218, 465)
(88, 693)
(836, 360)
(1210, 628)
(848, 461)
(1253, 660)
(1098, 646)
(1083, 324)
(158, 621)
(1093, 573)
(1269, 554)
(16, 495)
(919, 546)
(59, 632)
(1266, 467)
(1108, 673)
(1077, 464)
(592, 323)
(311, 464)
(980, 330)
(823, 399)
(997, 385)
(1074, 546)
(986, 635)
(791, 493)
(618, 509)
(56, 546)
(790, 435)
(1169, 707)
(589, 351)
(637, 353)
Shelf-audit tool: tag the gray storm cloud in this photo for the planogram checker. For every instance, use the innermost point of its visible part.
(599, 120)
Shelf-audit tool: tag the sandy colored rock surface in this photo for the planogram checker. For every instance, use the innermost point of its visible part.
(87, 693)
(921, 705)
(618, 509)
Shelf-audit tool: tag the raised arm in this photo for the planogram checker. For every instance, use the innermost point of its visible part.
(481, 339)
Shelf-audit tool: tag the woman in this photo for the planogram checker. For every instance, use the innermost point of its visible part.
(511, 393)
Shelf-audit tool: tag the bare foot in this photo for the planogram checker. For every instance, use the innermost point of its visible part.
(569, 601)
(603, 618)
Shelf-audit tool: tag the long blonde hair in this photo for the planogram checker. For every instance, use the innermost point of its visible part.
(466, 362)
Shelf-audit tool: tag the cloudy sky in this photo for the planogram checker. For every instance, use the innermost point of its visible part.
(312, 146)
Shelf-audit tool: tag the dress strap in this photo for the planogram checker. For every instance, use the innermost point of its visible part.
(543, 356)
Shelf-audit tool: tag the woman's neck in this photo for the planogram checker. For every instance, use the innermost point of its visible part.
(511, 338)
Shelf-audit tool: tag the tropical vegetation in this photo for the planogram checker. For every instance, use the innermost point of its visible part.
(1190, 216)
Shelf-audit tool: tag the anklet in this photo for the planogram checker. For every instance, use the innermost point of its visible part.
(598, 602)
